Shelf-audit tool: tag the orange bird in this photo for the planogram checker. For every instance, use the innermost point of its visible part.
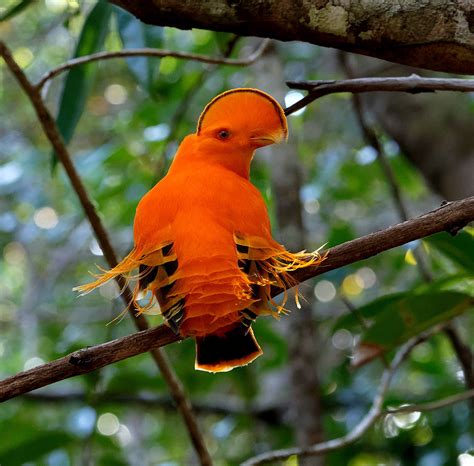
(203, 243)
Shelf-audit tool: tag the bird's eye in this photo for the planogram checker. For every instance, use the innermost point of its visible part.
(223, 134)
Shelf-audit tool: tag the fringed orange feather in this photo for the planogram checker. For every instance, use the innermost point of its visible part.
(203, 243)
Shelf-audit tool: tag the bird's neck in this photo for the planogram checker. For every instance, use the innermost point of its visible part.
(191, 155)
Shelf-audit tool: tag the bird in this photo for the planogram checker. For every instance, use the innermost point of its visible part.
(203, 245)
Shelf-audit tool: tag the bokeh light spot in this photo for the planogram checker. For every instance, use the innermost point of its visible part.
(406, 420)
(23, 56)
(352, 285)
(367, 277)
(35, 361)
(465, 459)
(124, 436)
(156, 133)
(45, 218)
(311, 206)
(366, 155)
(116, 94)
(14, 253)
(324, 291)
(95, 248)
(108, 424)
(342, 339)
(56, 6)
(291, 98)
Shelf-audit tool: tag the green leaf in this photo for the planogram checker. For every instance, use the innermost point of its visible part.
(406, 317)
(367, 311)
(135, 34)
(33, 448)
(223, 39)
(16, 9)
(462, 282)
(79, 79)
(459, 248)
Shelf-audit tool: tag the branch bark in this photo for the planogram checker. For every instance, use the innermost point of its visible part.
(450, 217)
(432, 35)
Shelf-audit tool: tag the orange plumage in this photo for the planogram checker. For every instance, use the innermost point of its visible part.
(203, 243)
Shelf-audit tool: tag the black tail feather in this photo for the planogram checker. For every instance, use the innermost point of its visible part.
(221, 353)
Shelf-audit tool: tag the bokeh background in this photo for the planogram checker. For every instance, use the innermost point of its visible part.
(326, 186)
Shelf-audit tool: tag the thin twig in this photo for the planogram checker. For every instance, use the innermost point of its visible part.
(413, 84)
(463, 353)
(149, 52)
(450, 216)
(433, 405)
(358, 431)
(52, 132)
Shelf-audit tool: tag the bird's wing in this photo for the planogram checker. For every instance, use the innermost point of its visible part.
(268, 265)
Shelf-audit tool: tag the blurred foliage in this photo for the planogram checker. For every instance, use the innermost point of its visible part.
(124, 120)
(79, 80)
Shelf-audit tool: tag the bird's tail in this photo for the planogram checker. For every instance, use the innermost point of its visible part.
(221, 353)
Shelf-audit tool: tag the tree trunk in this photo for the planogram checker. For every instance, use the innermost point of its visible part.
(434, 131)
(302, 335)
(434, 35)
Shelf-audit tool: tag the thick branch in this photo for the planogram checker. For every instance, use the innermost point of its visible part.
(86, 360)
(450, 217)
(413, 84)
(433, 35)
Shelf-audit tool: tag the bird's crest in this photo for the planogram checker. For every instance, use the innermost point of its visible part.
(245, 102)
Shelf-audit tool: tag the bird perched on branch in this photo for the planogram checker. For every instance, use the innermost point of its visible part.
(203, 243)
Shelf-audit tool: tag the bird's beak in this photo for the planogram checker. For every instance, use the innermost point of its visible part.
(261, 140)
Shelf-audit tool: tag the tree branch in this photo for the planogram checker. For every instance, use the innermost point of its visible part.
(413, 84)
(450, 217)
(463, 353)
(52, 132)
(433, 35)
(148, 52)
(272, 415)
(86, 360)
(359, 430)
(433, 405)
